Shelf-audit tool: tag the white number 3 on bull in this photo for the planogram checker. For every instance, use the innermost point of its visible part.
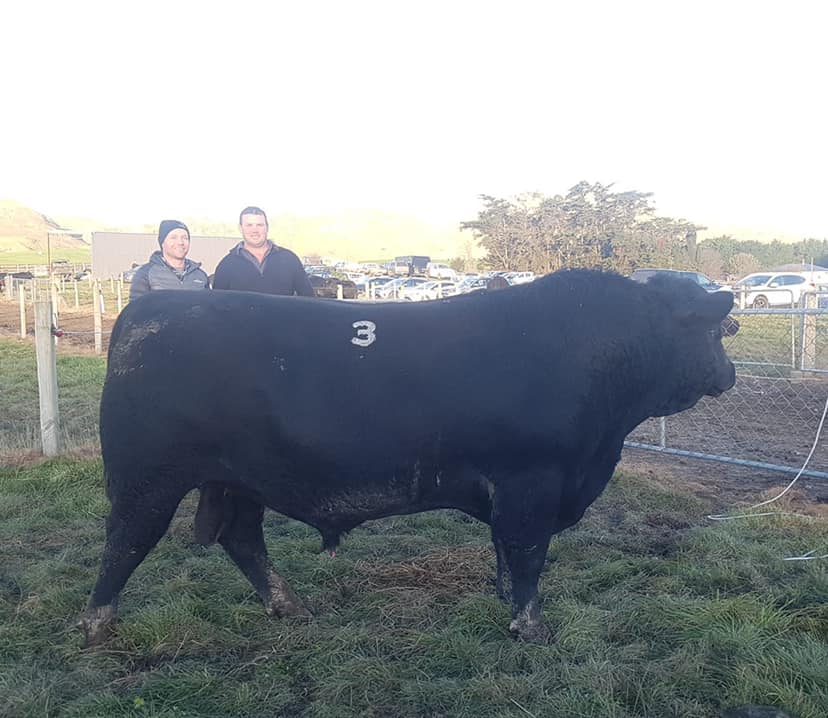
(365, 333)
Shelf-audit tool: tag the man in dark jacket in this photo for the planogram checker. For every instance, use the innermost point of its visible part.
(168, 267)
(258, 265)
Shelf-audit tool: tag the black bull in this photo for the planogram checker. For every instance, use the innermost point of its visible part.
(511, 406)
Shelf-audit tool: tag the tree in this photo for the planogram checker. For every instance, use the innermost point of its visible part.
(744, 263)
(710, 262)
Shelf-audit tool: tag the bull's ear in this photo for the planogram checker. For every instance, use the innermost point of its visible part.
(708, 309)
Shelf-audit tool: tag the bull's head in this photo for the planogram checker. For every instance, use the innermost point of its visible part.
(701, 366)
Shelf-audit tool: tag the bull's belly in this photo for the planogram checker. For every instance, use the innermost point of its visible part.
(340, 501)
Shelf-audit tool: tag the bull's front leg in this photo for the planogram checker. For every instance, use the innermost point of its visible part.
(523, 511)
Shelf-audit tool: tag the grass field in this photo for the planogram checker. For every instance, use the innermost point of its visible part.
(73, 255)
(80, 380)
(656, 614)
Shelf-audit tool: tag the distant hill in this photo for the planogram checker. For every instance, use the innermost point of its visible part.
(23, 229)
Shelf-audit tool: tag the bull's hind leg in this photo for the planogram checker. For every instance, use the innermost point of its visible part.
(135, 525)
(243, 540)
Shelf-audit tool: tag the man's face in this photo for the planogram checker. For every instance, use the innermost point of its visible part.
(176, 245)
(254, 230)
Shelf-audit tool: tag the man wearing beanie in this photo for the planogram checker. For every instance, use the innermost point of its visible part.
(258, 265)
(168, 267)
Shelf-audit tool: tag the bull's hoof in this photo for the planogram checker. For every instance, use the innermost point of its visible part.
(97, 624)
(534, 632)
(285, 609)
(528, 624)
(281, 600)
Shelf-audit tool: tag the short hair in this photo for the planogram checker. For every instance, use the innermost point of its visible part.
(253, 210)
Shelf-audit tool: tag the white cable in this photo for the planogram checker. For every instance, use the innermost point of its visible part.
(727, 517)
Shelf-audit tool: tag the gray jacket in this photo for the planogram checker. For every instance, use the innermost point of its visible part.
(157, 274)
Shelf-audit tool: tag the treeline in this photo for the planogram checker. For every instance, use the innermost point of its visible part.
(592, 226)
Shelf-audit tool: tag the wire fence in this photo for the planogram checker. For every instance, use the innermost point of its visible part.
(767, 420)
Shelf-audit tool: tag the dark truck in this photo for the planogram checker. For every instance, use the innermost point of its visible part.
(411, 264)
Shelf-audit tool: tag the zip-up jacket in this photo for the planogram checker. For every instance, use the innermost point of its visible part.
(157, 274)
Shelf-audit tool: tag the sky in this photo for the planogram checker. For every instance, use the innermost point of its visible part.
(134, 112)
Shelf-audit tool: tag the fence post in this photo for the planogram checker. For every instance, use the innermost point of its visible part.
(55, 300)
(47, 379)
(120, 295)
(339, 293)
(21, 297)
(77, 298)
(808, 333)
(9, 287)
(97, 298)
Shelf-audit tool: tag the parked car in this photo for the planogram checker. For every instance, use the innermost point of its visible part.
(519, 277)
(643, 275)
(438, 270)
(471, 283)
(371, 284)
(392, 289)
(761, 290)
(429, 290)
(328, 287)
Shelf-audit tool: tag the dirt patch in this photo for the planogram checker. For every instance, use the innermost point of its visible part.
(78, 327)
(727, 486)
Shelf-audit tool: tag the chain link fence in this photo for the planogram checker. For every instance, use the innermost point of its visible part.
(770, 418)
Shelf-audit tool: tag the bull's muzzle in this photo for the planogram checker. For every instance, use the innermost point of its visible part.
(725, 381)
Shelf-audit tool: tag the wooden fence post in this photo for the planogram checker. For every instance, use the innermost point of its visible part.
(120, 295)
(21, 297)
(47, 379)
(97, 299)
(77, 298)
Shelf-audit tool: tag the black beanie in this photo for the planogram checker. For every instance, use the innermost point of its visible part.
(167, 226)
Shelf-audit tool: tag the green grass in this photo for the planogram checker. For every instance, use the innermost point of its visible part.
(74, 255)
(656, 613)
(768, 345)
(80, 380)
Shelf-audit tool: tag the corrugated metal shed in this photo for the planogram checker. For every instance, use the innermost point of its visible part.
(115, 252)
